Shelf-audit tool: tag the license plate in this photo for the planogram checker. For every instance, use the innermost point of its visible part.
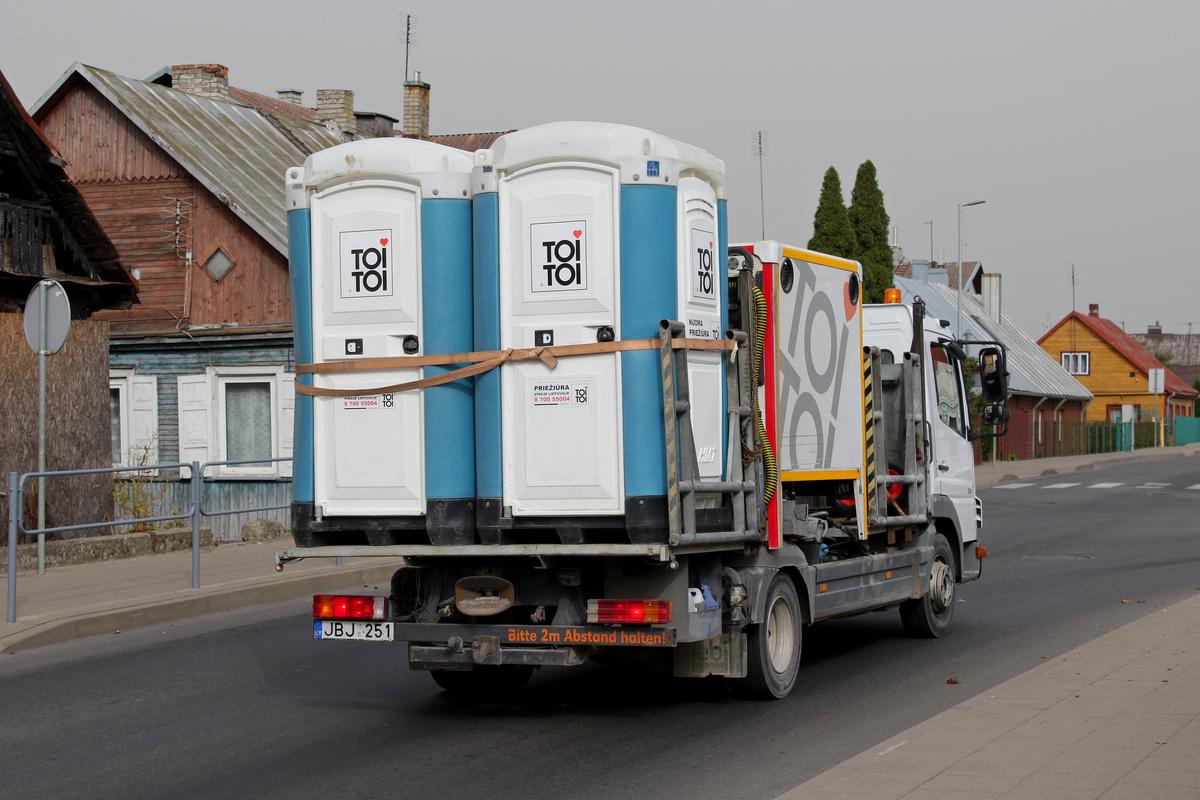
(365, 631)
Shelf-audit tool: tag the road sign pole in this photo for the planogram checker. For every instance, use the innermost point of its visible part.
(41, 523)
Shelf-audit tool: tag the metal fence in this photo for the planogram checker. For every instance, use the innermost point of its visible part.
(1082, 438)
(195, 513)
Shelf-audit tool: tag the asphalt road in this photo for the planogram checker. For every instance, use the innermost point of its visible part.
(247, 704)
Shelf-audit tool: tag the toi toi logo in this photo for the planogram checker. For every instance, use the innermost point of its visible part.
(365, 258)
(559, 257)
(703, 277)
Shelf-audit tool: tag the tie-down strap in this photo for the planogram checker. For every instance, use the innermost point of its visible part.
(480, 362)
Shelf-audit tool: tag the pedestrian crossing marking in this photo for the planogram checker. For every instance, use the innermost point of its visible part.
(1104, 485)
(1060, 486)
(1014, 486)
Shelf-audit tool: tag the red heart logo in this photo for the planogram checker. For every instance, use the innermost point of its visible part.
(383, 242)
(577, 233)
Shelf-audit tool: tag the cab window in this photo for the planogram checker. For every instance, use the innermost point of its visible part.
(950, 405)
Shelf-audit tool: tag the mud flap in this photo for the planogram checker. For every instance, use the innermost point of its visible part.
(723, 655)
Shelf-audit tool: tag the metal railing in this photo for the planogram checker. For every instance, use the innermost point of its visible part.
(195, 513)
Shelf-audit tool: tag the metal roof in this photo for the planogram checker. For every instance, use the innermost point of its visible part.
(1031, 369)
(238, 153)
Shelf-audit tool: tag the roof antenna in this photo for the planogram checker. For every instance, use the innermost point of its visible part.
(763, 147)
(410, 37)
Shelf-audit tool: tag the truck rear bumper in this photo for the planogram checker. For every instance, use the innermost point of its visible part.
(449, 646)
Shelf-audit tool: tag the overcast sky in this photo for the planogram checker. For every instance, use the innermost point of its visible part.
(1077, 122)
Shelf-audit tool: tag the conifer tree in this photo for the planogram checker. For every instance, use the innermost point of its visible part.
(832, 233)
(870, 222)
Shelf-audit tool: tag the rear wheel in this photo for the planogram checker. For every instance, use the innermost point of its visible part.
(929, 617)
(483, 682)
(774, 645)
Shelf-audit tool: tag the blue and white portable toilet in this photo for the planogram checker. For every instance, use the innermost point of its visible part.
(380, 248)
(589, 232)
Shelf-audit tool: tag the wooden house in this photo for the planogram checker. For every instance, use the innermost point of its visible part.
(185, 172)
(47, 231)
(1115, 368)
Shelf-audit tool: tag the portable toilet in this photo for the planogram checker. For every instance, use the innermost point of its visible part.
(379, 235)
(591, 232)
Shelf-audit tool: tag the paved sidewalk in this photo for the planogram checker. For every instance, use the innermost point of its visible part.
(72, 602)
(1115, 719)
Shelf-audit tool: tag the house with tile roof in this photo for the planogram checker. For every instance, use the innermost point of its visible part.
(1115, 368)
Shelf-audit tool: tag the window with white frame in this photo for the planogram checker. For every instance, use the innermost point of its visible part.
(133, 418)
(1077, 363)
(237, 414)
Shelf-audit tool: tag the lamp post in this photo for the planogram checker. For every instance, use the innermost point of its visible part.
(961, 206)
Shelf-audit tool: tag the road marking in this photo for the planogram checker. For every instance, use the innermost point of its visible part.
(1197, 486)
(1154, 486)
(1104, 485)
(1060, 486)
(1013, 486)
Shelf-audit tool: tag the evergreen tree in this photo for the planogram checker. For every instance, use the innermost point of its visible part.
(870, 222)
(832, 233)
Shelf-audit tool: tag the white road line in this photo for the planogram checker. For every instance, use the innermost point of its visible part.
(1060, 486)
(1197, 486)
(1013, 486)
(1104, 485)
(1154, 486)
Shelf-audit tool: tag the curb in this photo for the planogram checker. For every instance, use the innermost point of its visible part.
(1037, 472)
(154, 612)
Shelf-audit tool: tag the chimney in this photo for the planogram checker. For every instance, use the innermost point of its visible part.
(335, 109)
(991, 295)
(292, 96)
(1155, 329)
(416, 109)
(1093, 309)
(210, 81)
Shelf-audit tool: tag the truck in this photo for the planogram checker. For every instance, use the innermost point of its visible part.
(586, 427)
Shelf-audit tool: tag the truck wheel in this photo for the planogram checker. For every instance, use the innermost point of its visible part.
(773, 645)
(929, 617)
(484, 682)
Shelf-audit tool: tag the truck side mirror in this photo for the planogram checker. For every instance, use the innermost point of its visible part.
(993, 376)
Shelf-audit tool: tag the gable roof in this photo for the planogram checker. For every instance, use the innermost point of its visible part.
(1124, 344)
(38, 199)
(238, 152)
(1032, 371)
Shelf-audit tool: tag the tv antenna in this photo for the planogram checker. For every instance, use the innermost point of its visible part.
(410, 38)
(764, 145)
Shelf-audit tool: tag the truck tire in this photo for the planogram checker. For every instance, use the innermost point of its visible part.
(929, 617)
(484, 683)
(774, 645)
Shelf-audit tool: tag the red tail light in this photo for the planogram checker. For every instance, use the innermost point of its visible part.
(333, 606)
(629, 612)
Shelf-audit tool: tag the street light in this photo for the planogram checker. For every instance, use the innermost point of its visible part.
(961, 206)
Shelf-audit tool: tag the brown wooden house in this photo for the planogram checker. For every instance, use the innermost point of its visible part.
(185, 172)
(48, 232)
(1115, 368)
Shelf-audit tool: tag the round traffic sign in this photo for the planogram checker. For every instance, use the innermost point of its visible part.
(51, 296)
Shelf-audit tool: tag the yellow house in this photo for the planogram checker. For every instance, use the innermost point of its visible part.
(1114, 367)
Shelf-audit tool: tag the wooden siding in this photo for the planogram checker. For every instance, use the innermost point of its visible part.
(1109, 376)
(101, 144)
(221, 495)
(140, 219)
(255, 290)
(78, 432)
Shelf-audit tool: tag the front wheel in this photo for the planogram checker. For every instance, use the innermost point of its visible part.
(774, 645)
(929, 617)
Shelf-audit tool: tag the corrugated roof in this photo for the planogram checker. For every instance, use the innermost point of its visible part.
(1110, 332)
(237, 152)
(1031, 369)
(1183, 348)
